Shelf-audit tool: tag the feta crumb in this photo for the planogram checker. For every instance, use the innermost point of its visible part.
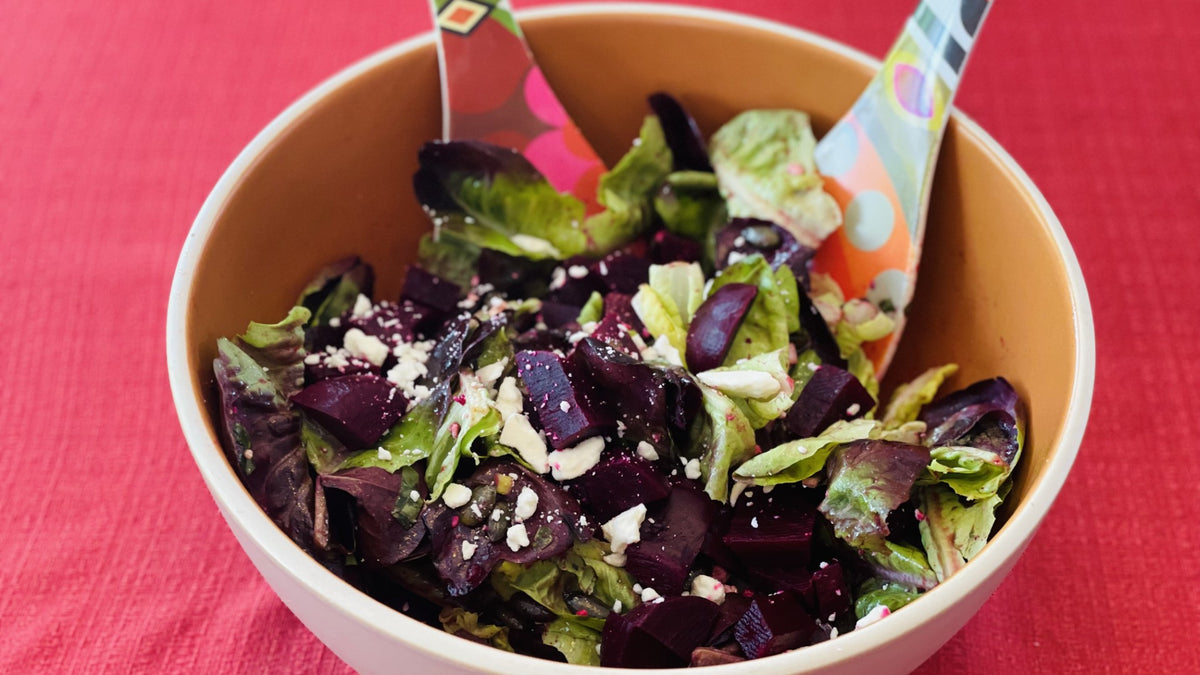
(362, 307)
(520, 435)
(312, 359)
(650, 595)
(692, 469)
(491, 372)
(517, 538)
(577, 271)
(616, 606)
(647, 451)
(414, 495)
(456, 495)
(335, 322)
(853, 409)
(620, 429)
(468, 550)
(615, 559)
(564, 406)
(736, 491)
(365, 346)
(527, 503)
(734, 258)
(384, 455)
(558, 278)
(754, 522)
(745, 383)
(508, 398)
(624, 528)
(708, 588)
(877, 612)
(574, 462)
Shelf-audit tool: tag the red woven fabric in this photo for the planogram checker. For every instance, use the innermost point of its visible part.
(117, 117)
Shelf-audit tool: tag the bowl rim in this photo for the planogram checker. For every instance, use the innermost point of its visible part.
(360, 608)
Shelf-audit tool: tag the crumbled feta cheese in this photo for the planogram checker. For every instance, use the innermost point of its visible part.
(877, 612)
(468, 550)
(734, 258)
(744, 383)
(362, 307)
(508, 398)
(456, 495)
(574, 462)
(615, 559)
(754, 522)
(647, 451)
(616, 606)
(692, 469)
(577, 271)
(365, 346)
(384, 455)
(414, 495)
(520, 435)
(736, 491)
(625, 528)
(558, 278)
(853, 409)
(410, 367)
(335, 322)
(527, 503)
(564, 406)
(708, 588)
(491, 372)
(517, 538)
(650, 595)
(312, 359)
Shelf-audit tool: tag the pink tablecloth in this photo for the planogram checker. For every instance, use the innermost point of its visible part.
(116, 118)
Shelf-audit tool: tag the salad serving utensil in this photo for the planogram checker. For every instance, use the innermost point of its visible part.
(877, 160)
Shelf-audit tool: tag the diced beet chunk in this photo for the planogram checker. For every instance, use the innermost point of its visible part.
(622, 272)
(619, 306)
(559, 314)
(669, 545)
(619, 482)
(357, 409)
(657, 634)
(831, 592)
(766, 529)
(784, 576)
(430, 289)
(715, 323)
(728, 615)
(567, 408)
(669, 247)
(774, 623)
(832, 394)
(613, 332)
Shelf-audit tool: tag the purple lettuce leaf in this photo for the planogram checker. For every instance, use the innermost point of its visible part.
(987, 415)
(382, 537)
(867, 480)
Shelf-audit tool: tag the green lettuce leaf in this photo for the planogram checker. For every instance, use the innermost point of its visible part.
(973, 473)
(907, 400)
(412, 438)
(764, 163)
(666, 304)
(867, 481)
(796, 460)
(877, 592)
(450, 256)
(577, 642)
(901, 564)
(335, 289)
(278, 348)
(456, 620)
(593, 309)
(626, 192)
(725, 438)
(953, 532)
(471, 415)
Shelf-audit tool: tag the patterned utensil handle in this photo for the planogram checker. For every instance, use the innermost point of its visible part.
(878, 160)
(493, 91)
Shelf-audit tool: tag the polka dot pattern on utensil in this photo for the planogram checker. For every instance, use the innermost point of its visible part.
(870, 219)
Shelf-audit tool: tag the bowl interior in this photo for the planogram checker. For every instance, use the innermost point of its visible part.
(993, 295)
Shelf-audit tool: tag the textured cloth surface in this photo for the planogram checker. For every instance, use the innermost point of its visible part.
(117, 117)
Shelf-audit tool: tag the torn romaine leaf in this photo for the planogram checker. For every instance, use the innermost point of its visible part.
(908, 398)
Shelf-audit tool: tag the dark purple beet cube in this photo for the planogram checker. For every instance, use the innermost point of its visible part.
(613, 332)
(657, 634)
(832, 394)
(766, 527)
(567, 408)
(668, 247)
(394, 323)
(357, 409)
(774, 623)
(784, 576)
(337, 366)
(622, 272)
(578, 282)
(429, 289)
(715, 323)
(728, 615)
(559, 314)
(669, 545)
(619, 482)
(619, 306)
(831, 592)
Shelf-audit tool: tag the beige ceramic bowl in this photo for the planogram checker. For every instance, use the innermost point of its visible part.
(330, 176)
